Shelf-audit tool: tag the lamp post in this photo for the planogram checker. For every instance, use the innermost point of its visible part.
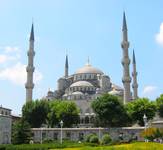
(99, 133)
(145, 124)
(41, 134)
(61, 123)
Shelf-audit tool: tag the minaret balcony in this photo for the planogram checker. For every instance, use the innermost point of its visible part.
(134, 85)
(31, 52)
(134, 74)
(29, 85)
(30, 69)
(125, 61)
(126, 79)
(125, 44)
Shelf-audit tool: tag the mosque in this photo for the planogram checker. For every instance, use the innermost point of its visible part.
(88, 82)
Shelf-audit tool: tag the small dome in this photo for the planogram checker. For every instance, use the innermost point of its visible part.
(116, 87)
(77, 93)
(82, 84)
(114, 92)
(88, 69)
(65, 95)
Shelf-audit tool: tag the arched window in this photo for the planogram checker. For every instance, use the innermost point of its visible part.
(86, 119)
(92, 119)
(82, 120)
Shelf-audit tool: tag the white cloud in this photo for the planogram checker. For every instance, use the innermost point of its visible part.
(6, 58)
(159, 36)
(149, 91)
(3, 58)
(17, 74)
(9, 54)
(9, 49)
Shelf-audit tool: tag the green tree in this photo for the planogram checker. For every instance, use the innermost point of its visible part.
(136, 109)
(35, 112)
(21, 132)
(159, 103)
(63, 110)
(53, 121)
(110, 111)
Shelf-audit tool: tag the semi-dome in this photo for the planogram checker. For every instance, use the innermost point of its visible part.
(82, 84)
(77, 93)
(88, 69)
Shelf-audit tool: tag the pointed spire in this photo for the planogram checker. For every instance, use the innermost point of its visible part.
(134, 75)
(88, 61)
(66, 67)
(66, 63)
(134, 60)
(124, 22)
(32, 33)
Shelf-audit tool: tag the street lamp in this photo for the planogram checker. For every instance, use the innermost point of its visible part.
(61, 123)
(145, 124)
(99, 133)
(41, 134)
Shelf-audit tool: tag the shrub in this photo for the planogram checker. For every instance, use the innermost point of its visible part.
(2, 147)
(87, 138)
(152, 133)
(106, 139)
(94, 139)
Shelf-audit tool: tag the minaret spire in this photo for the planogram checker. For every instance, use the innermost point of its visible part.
(126, 79)
(66, 67)
(32, 33)
(134, 75)
(30, 68)
(124, 22)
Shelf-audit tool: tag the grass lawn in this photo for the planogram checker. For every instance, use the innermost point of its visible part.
(83, 146)
(133, 146)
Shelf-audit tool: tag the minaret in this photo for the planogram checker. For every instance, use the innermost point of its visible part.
(126, 79)
(66, 67)
(30, 68)
(134, 75)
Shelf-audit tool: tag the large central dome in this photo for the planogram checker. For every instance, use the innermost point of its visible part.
(88, 69)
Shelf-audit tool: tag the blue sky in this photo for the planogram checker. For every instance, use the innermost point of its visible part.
(80, 28)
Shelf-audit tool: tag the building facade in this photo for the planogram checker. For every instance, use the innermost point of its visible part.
(5, 125)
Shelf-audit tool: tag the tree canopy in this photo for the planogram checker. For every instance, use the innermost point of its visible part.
(21, 132)
(136, 110)
(63, 110)
(159, 103)
(35, 112)
(110, 111)
(40, 112)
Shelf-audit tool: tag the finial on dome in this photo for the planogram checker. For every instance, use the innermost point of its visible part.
(88, 62)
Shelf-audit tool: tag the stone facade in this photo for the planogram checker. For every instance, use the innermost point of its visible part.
(78, 134)
(82, 87)
(5, 125)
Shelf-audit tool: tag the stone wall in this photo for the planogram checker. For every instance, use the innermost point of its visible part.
(78, 134)
(5, 129)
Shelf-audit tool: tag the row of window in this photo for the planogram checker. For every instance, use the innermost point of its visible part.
(85, 76)
(82, 89)
(4, 112)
